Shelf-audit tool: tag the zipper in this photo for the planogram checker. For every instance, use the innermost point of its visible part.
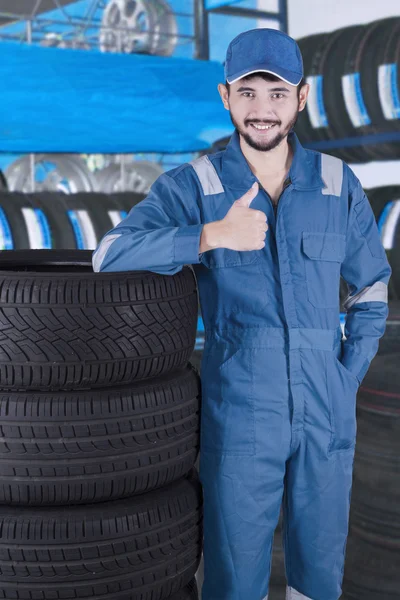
(275, 208)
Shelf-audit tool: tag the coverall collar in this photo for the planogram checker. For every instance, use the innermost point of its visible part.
(236, 172)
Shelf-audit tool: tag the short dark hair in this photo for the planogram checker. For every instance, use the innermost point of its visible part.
(266, 77)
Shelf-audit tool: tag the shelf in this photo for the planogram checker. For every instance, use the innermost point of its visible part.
(362, 140)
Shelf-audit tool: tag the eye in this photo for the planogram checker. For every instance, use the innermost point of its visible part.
(244, 93)
(281, 95)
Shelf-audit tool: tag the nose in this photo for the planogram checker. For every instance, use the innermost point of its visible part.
(263, 110)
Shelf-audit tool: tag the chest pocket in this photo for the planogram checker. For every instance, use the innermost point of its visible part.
(324, 253)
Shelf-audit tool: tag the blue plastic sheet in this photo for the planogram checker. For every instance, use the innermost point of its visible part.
(58, 100)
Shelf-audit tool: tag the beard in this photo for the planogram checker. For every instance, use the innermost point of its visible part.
(266, 145)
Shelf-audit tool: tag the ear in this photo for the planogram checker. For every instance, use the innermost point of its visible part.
(223, 92)
(303, 96)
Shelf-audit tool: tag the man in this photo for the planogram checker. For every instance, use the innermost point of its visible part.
(269, 227)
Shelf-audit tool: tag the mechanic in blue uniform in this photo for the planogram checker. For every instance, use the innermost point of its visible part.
(269, 228)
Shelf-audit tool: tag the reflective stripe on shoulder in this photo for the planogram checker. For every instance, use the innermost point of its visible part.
(332, 174)
(98, 256)
(208, 176)
(377, 292)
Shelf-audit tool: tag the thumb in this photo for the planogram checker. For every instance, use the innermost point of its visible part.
(249, 196)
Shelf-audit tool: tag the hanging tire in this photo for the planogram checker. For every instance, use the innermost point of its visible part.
(64, 327)
(148, 546)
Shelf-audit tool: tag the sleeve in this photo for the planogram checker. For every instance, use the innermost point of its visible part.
(366, 271)
(161, 233)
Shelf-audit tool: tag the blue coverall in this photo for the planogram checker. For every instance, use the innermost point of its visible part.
(279, 381)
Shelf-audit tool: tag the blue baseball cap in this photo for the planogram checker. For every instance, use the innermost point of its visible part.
(264, 49)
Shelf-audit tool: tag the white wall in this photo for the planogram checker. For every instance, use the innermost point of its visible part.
(316, 16)
(307, 17)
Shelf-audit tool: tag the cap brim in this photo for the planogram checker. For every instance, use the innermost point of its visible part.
(288, 76)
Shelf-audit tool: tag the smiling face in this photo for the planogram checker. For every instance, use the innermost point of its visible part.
(263, 108)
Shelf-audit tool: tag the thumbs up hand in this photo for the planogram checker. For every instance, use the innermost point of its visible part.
(244, 227)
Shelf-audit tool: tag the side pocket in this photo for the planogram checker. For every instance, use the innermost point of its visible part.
(227, 411)
(342, 389)
(346, 371)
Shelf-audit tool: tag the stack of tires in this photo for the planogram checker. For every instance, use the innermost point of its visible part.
(54, 220)
(99, 431)
(355, 82)
(372, 569)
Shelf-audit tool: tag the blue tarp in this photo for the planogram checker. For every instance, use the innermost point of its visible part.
(59, 100)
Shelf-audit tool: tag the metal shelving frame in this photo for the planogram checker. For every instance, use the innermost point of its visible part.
(202, 19)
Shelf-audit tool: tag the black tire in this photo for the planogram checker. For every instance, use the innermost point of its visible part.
(316, 60)
(395, 261)
(126, 200)
(3, 182)
(139, 548)
(62, 232)
(309, 50)
(65, 327)
(372, 563)
(345, 42)
(374, 53)
(189, 592)
(13, 225)
(102, 208)
(88, 217)
(376, 463)
(381, 196)
(390, 341)
(74, 448)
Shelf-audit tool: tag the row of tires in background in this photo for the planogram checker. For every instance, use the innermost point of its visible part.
(354, 74)
(99, 492)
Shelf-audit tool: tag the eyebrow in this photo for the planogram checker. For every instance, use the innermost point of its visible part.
(249, 89)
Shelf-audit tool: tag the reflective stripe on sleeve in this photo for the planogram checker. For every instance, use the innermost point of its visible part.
(377, 292)
(99, 254)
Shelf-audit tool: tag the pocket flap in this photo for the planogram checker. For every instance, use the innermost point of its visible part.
(324, 246)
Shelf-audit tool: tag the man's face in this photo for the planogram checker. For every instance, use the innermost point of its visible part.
(267, 103)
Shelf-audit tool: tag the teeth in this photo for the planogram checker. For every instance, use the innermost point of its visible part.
(262, 126)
